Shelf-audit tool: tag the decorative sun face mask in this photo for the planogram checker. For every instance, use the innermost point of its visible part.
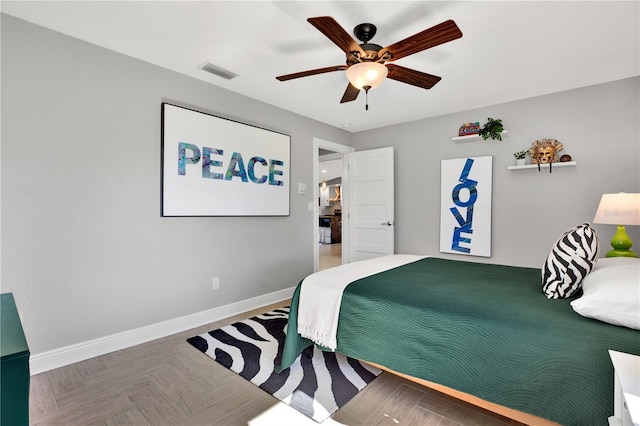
(545, 151)
(545, 155)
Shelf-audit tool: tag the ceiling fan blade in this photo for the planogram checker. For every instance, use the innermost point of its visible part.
(350, 94)
(434, 36)
(311, 72)
(413, 77)
(334, 32)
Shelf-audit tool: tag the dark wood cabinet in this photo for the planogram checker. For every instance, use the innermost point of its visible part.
(336, 229)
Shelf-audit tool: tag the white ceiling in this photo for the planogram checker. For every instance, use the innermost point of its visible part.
(510, 49)
(329, 169)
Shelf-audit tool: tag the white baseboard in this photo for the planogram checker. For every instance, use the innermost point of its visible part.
(60, 357)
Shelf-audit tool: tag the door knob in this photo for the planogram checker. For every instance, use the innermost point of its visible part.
(387, 223)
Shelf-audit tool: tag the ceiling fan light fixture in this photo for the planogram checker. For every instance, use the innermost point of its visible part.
(366, 74)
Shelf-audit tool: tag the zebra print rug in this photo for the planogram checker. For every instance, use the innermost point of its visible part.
(317, 384)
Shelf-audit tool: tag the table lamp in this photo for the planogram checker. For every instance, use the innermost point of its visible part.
(619, 209)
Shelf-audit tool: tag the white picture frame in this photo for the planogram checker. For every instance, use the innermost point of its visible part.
(212, 166)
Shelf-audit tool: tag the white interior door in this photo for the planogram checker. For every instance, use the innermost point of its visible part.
(370, 223)
(314, 205)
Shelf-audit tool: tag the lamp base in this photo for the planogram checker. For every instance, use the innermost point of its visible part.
(621, 253)
(621, 244)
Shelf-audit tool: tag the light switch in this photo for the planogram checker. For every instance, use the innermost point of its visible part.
(302, 188)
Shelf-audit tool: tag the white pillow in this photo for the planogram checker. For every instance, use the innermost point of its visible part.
(612, 292)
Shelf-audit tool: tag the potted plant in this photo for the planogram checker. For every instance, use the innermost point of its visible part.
(520, 157)
(492, 129)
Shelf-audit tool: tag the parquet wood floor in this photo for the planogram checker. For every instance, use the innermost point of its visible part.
(168, 382)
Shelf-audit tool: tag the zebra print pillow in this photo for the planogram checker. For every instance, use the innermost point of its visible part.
(572, 257)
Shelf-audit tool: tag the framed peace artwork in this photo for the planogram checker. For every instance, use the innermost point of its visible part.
(212, 166)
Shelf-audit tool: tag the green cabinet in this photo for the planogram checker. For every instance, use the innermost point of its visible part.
(14, 368)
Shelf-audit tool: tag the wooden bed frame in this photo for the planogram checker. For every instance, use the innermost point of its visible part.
(514, 415)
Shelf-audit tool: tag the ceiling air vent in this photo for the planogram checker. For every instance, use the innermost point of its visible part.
(215, 70)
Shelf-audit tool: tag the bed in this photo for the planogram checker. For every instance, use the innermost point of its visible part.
(484, 331)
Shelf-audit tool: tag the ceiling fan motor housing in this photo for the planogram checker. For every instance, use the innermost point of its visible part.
(364, 32)
(371, 51)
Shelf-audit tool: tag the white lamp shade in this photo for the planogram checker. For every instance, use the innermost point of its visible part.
(366, 74)
(619, 209)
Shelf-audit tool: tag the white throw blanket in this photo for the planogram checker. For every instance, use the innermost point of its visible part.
(321, 295)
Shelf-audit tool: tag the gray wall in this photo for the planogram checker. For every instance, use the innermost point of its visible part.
(84, 249)
(87, 255)
(598, 127)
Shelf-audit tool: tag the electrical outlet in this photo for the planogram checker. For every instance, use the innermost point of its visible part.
(215, 283)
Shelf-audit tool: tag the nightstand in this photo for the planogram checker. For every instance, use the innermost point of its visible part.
(626, 408)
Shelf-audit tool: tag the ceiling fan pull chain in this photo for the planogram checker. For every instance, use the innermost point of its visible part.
(366, 99)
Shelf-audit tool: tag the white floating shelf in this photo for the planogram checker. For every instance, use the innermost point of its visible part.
(469, 138)
(542, 166)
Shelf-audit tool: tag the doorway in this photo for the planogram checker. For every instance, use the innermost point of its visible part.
(329, 211)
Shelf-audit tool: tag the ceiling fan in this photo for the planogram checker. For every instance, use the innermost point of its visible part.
(365, 67)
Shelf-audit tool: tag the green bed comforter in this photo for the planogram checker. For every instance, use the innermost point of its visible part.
(487, 330)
